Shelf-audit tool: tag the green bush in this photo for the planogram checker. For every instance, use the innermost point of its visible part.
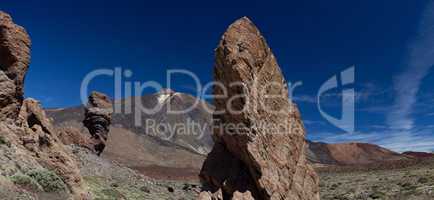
(423, 180)
(49, 180)
(377, 195)
(3, 141)
(25, 181)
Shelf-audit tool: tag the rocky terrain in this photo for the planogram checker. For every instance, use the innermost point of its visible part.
(34, 163)
(92, 152)
(43, 162)
(412, 182)
(153, 154)
(195, 140)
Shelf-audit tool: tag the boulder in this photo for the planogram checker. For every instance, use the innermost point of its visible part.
(260, 146)
(98, 116)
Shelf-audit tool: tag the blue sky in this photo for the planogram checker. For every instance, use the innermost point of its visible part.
(390, 43)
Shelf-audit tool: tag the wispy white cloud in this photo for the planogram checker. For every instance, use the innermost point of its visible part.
(304, 98)
(419, 62)
(415, 140)
(363, 94)
(418, 140)
(313, 122)
(401, 133)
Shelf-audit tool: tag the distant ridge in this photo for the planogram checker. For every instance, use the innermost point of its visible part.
(350, 154)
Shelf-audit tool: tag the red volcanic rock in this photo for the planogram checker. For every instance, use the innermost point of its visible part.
(98, 116)
(14, 62)
(264, 158)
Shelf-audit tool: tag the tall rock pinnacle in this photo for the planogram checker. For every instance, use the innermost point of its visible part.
(259, 151)
(98, 116)
(14, 62)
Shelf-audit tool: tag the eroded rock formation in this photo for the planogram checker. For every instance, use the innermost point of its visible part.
(259, 150)
(40, 139)
(14, 61)
(98, 116)
(29, 143)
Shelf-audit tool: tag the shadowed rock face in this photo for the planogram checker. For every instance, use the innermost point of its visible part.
(265, 159)
(14, 62)
(98, 116)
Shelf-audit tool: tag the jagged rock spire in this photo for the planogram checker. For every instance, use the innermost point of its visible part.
(264, 159)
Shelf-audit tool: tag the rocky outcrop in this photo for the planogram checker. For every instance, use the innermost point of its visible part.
(29, 149)
(260, 147)
(14, 61)
(41, 141)
(98, 116)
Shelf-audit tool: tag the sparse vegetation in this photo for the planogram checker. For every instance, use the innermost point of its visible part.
(26, 182)
(49, 180)
(409, 183)
(377, 195)
(423, 180)
(3, 141)
(102, 190)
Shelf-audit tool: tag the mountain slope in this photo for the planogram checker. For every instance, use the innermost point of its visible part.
(190, 130)
(350, 154)
(149, 149)
(419, 154)
(142, 144)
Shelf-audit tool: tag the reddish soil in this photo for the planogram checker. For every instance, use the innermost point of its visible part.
(168, 173)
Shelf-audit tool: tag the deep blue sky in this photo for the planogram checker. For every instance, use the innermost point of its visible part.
(312, 40)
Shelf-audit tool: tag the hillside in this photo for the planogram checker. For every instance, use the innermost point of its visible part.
(350, 154)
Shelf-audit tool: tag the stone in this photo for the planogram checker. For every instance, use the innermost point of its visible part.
(70, 135)
(260, 146)
(98, 116)
(47, 149)
(14, 62)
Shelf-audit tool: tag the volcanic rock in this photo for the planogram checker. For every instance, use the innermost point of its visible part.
(260, 146)
(47, 149)
(98, 116)
(32, 144)
(14, 61)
